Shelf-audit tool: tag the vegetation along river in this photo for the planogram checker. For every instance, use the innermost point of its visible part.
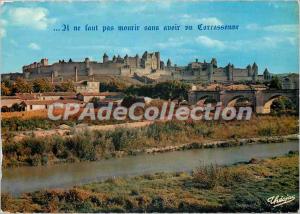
(27, 179)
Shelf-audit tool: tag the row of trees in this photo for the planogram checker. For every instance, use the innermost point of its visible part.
(39, 85)
(165, 90)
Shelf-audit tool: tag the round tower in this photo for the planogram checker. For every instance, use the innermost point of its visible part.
(214, 62)
(169, 63)
(249, 69)
(229, 68)
(267, 74)
(105, 58)
(255, 71)
(210, 70)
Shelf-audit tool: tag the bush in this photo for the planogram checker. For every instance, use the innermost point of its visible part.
(34, 160)
(36, 145)
(83, 147)
(59, 147)
(122, 138)
(267, 131)
(16, 124)
(207, 176)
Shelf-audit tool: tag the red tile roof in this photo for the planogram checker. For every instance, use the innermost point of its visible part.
(26, 96)
(102, 94)
(58, 94)
(49, 102)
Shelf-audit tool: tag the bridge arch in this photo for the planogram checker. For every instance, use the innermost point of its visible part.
(205, 100)
(240, 99)
(200, 97)
(268, 103)
(232, 98)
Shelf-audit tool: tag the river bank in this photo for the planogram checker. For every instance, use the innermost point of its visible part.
(237, 188)
(221, 143)
(93, 145)
(66, 175)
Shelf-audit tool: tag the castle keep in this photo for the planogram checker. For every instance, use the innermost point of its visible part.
(148, 66)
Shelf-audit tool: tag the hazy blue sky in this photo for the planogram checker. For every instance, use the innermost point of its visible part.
(268, 32)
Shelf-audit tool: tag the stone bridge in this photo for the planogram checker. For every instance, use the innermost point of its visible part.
(261, 100)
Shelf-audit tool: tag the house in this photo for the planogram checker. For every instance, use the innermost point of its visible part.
(56, 95)
(27, 96)
(86, 97)
(32, 105)
(87, 87)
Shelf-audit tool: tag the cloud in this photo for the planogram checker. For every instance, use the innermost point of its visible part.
(252, 26)
(287, 28)
(292, 40)
(210, 43)
(273, 4)
(34, 46)
(263, 43)
(13, 43)
(36, 18)
(188, 19)
(282, 28)
(166, 4)
(2, 28)
(275, 41)
(172, 42)
(2, 32)
(138, 9)
(125, 50)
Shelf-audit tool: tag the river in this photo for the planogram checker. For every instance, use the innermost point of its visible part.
(28, 179)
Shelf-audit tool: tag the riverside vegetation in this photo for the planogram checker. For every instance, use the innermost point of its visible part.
(238, 188)
(97, 145)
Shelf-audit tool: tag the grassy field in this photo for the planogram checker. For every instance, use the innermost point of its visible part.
(238, 188)
(99, 144)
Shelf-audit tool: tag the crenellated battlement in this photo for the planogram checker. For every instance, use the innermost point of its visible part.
(148, 65)
(42, 63)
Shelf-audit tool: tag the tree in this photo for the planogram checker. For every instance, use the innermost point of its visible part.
(65, 87)
(17, 107)
(165, 90)
(275, 83)
(5, 109)
(112, 85)
(5, 91)
(21, 86)
(42, 85)
(283, 105)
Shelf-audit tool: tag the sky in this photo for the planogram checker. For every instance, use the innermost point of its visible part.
(267, 34)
